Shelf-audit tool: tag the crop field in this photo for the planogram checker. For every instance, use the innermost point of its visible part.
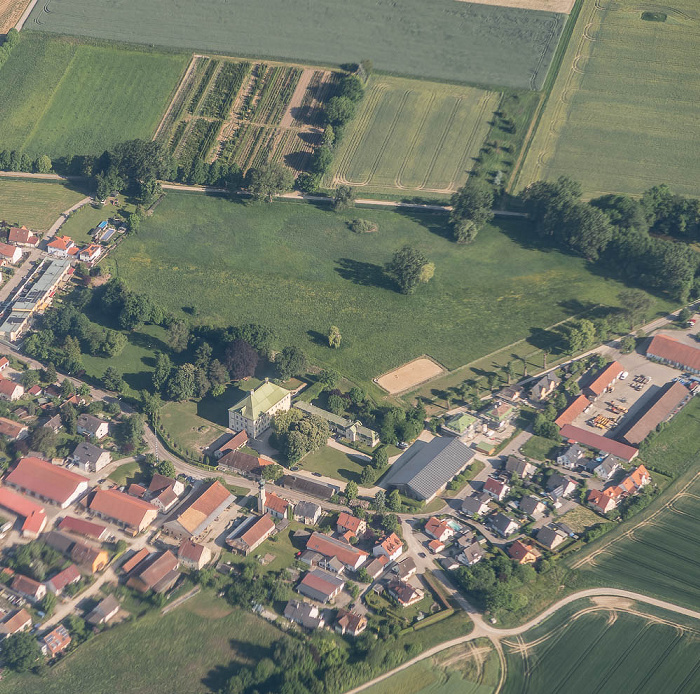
(247, 114)
(251, 263)
(414, 136)
(658, 555)
(60, 97)
(623, 112)
(444, 39)
(599, 649)
(36, 204)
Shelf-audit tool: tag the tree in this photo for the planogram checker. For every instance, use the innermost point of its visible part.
(29, 378)
(627, 344)
(473, 202)
(336, 404)
(545, 427)
(351, 87)
(241, 360)
(334, 337)
(380, 458)
(272, 473)
(586, 230)
(166, 468)
(344, 198)
(390, 523)
(339, 111)
(44, 439)
(112, 380)
(581, 336)
(48, 603)
(406, 268)
(67, 388)
(181, 384)
(464, 230)
(49, 374)
(21, 651)
(113, 343)
(328, 378)
(179, 336)
(218, 373)
(368, 476)
(393, 502)
(43, 164)
(379, 501)
(162, 371)
(291, 361)
(269, 180)
(635, 304)
(351, 490)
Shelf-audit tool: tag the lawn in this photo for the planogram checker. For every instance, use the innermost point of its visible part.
(442, 40)
(580, 518)
(334, 463)
(414, 136)
(88, 217)
(299, 269)
(539, 448)
(622, 115)
(62, 97)
(593, 652)
(126, 474)
(188, 428)
(36, 204)
(194, 648)
(280, 546)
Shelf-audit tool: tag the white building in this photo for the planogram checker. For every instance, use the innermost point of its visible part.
(255, 411)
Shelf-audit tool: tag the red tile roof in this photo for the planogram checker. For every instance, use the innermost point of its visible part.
(316, 581)
(601, 443)
(494, 485)
(121, 507)
(8, 387)
(57, 640)
(521, 550)
(7, 250)
(671, 398)
(605, 378)
(436, 527)
(61, 243)
(46, 480)
(78, 526)
(160, 482)
(10, 428)
(323, 544)
(18, 504)
(436, 545)
(64, 578)
(191, 550)
(665, 347)
(4, 361)
(19, 620)
(25, 585)
(131, 563)
(349, 522)
(136, 490)
(156, 570)
(391, 543)
(276, 504)
(234, 443)
(260, 528)
(572, 411)
(200, 508)
(22, 235)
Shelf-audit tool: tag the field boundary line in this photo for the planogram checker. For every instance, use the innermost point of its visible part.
(178, 89)
(25, 15)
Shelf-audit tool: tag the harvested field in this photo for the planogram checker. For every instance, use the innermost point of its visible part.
(35, 203)
(457, 41)
(11, 12)
(414, 136)
(563, 6)
(622, 115)
(59, 96)
(409, 375)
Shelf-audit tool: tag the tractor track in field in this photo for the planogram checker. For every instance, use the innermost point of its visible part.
(440, 143)
(414, 142)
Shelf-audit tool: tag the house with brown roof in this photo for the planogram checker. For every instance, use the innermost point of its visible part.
(9, 390)
(134, 560)
(19, 621)
(276, 506)
(193, 555)
(164, 492)
(524, 552)
(14, 431)
(666, 350)
(320, 585)
(604, 381)
(576, 408)
(28, 587)
(406, 593)
(9, 253)
(243, 463)
(47, 482)
(134, 515)
(328, 546)
(203, 506)
(78, 526)
(391, 547)
(136, 490)
(92, 559)
(107, 609)
(598, 442)
(350, 623)
(158, 574)
(495, 488)
(376, 567)
(55, 642)
(34, 515)
(23, 237)
(438, 529)
(348, 523)
(250, 534)
(62, 579)
(234, 443)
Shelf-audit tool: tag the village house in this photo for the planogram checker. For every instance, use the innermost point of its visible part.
(136, 490)
(304, 613)
(602, 501)
(350, 556)
(21, 620)
(666, 350)
(406, 593)
(503, 525)
(436, 546)
(604, 469)
(60, 246)
(276, 506)
(193, 555)
(512, 393)
(9, 390)
(405, 569)
(559, 486)
(320, 585)
(233, 443)
(471, 554)
(438, 529)
(499, 415)
(33, 514)
(391, 547)
(159, 574)
(243, 464)
(348, 523)
(90, 458)
(92, 559)
(63, 579)
(350, 623)
(21, 236)
(598, 442)
(106, 609)
(203, 506)
(550, 536)
(605, 380)
(520, 467)
(135, 560)
(532, 506)
(48, 482)
(250, 534)
(464, 425)
(523, 552)
(92, 426)
(255, 411)
(476, 504)
(164, 492)
(14, 431)
(495, 488)
(28, 587)
(11, 254)
(134, 515)
(55, 642)
(4, 363)
(78, 526)
(307, 512)
(90, 253)
(572, 457)
(544, 387)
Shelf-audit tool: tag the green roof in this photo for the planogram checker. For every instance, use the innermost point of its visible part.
(260, 400)
(461, 422)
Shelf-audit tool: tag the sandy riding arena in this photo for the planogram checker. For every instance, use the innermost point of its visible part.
(10, 12)
(409, 375)
(561, 6)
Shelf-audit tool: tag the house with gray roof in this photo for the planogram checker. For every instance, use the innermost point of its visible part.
(307, 512)
(544, 387)
(476, 504)
(551, 536)
(90, 458)
(349, 429)
(424, 469)
(503, 525)
(532, 506)
(572, 457)
(520, 467)
(471, 554)
(605, 468)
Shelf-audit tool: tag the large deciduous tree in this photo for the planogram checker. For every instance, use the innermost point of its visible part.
(407, 269)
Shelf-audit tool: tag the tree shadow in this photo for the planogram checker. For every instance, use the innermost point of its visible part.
(549, 340)
(364, 274)
(140, 380)
(148, 342)
(317, 338)
(349, 475)
(436, 222)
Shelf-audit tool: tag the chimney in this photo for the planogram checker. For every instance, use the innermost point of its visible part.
(261, 497)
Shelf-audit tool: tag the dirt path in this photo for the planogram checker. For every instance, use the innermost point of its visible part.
(175, 101)
(297, 98)
(561, 6)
